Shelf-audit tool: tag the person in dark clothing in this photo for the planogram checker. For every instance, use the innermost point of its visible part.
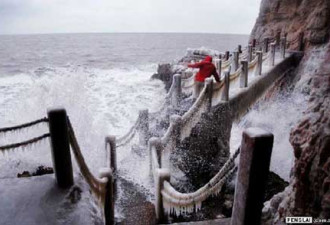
(206, 69)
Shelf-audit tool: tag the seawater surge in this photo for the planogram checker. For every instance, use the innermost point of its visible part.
(102, 80)
(278, 116)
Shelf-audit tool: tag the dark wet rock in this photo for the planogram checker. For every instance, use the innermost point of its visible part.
(204, 152)
(24, 174)
(164, 73)
(41, 170)
(274, 185)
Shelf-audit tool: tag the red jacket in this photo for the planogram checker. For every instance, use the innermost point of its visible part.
(206, 69)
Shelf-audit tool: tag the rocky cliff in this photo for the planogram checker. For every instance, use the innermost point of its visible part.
(309, 191)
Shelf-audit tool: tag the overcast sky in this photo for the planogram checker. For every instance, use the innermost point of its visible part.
(62, 16)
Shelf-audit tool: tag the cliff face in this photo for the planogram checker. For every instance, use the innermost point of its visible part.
(309, 189)
(292, 17)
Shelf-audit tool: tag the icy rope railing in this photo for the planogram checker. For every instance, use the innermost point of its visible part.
(226, 63)
(253, 63)
(25, 143)
(24, 125)
(235, 74)
(175, 202)
(125, 139)
(191, 117)
(265, 57)
(97, 185)
(102, 187)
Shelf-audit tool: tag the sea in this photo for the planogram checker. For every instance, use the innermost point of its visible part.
(103, 80)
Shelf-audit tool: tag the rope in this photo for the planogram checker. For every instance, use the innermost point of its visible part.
(128, 136)
(236, 73)
(184, 205)
(96, 185)
(253, 63)
(175, 198)
(132, 135)
(24, 143)
(25, 125)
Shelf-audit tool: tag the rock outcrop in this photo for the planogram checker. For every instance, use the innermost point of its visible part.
(291, 18)
(309, 191)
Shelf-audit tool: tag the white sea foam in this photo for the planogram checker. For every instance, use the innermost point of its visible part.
(98, 102)
(278, 117)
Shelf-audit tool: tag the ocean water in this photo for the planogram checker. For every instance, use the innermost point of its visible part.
(102, 80)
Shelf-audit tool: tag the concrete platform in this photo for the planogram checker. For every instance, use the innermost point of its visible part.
(37, 200)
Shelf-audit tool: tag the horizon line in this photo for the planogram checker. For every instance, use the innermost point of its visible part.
(121, 32)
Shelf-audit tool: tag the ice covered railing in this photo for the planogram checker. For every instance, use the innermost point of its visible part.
(19, 128)
(242, 62)
(175, 202)
(253, 169)
(62, 136)
(168, 199)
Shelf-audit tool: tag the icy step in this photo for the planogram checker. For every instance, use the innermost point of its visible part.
(133, 204)
(37, 200)
(207, 222)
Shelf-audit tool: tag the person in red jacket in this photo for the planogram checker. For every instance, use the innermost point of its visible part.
(206, 69)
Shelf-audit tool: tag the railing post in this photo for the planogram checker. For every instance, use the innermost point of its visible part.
(272, 54)
(259, 64)
(278, 38)
(155, 141)
(301, 41)
(109, 201)
(176, 120)
(111, 141)
(227, 55)
(59, 139)
(143, 127)
(209, 93)
(249, 53)
(161, 175)
(283, 47)
(239, 49)
(244, 74)
(254, 43)
(236, 58)
(253, 169)
(176, 96)
(266, 41)
(225, 93)
(219, 65)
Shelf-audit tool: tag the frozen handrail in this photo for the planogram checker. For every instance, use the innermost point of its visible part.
(97, 185)
(236, 73)
(253, 63)
(172, 199)
(24, 143)
(177, 206)
(129, 135)
(225, 64)
(24, 125)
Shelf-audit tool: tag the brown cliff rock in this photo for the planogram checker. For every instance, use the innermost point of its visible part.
(309, 191)
(293, 17)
